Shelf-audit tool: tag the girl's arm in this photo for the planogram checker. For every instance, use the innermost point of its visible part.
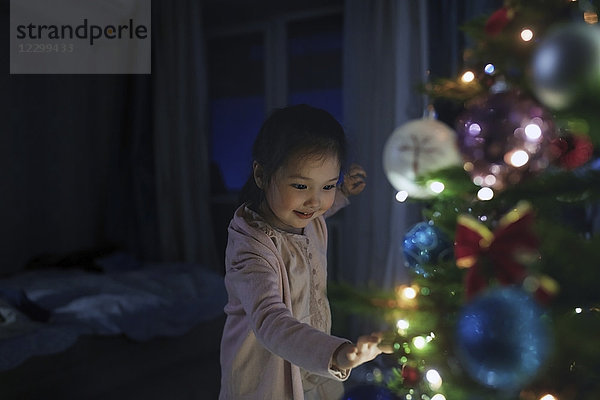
(367, 348)
(256, 282)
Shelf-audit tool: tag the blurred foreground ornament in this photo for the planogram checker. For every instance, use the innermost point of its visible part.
(415, 148)
(502, 339)
(503, 137)
(410, 375)
(424, 244)
(498, 254)
(369, 392)
(571, 151)
(565, 66)
(498, 20)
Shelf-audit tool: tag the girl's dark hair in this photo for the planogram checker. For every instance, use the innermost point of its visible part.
(298, 130)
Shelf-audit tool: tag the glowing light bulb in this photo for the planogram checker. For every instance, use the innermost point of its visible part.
(526, 34)
(489, 180)
(401, 196)
(467, 77)
(402, 324)
(419, 342)
(533, 132)
(478, 180)
(438, 396)
(437, 187)
(409, 293)
(485, 193)
(590, 17)
(578, 310)
(489, 69)
(474, 129)
(548, 397)
(518, 158)
(434, 379)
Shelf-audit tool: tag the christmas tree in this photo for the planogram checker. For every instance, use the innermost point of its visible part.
(503, 301)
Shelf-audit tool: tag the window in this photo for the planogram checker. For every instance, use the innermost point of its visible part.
(315, 63)
(237, 103)
(289, 59)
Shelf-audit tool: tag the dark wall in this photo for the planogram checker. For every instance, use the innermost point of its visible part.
(59, 153)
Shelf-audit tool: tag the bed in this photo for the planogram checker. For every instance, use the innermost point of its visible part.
(124, 330)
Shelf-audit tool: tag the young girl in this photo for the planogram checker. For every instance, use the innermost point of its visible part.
(276, 343)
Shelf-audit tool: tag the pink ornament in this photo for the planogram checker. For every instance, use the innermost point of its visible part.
(503, 138)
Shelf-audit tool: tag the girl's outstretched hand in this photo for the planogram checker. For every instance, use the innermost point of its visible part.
(367, 348)
(355, 181)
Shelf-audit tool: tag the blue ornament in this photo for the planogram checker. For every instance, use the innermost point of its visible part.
(369, 392)
(424, 244)
(502, 339)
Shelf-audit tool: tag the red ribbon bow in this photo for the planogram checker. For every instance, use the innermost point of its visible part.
(476, 248)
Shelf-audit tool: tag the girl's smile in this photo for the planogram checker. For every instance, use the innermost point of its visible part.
(300, 191)
(304, 215)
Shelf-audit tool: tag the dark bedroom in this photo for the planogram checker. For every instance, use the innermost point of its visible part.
(437, 237)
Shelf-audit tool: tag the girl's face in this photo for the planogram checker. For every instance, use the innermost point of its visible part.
(301, 191)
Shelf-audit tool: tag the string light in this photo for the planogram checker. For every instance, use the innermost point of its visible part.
(489, 69)
(548, 397)
(467, 77)
(419, 342)
(478, 180)
(437, 187)
(526, 34)
(485, 193)
(438, 396)
(517, 158)
(474, 129)
(402, 324)
(409, 293)
(406, 296)
(489, 180)
(533, 132)
(401, 196)
(590, 17)
(434, 379)
(578, 310)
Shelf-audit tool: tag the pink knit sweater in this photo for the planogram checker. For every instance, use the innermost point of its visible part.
(276, 342)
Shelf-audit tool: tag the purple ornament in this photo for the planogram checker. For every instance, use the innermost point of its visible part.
(504, 137)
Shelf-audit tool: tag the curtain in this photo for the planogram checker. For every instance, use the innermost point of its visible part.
(385, 59)
(160, 207)
(181, 133)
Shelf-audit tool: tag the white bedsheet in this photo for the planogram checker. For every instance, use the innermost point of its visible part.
(156, 300)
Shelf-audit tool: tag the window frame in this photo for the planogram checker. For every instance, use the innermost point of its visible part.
(274, 30)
